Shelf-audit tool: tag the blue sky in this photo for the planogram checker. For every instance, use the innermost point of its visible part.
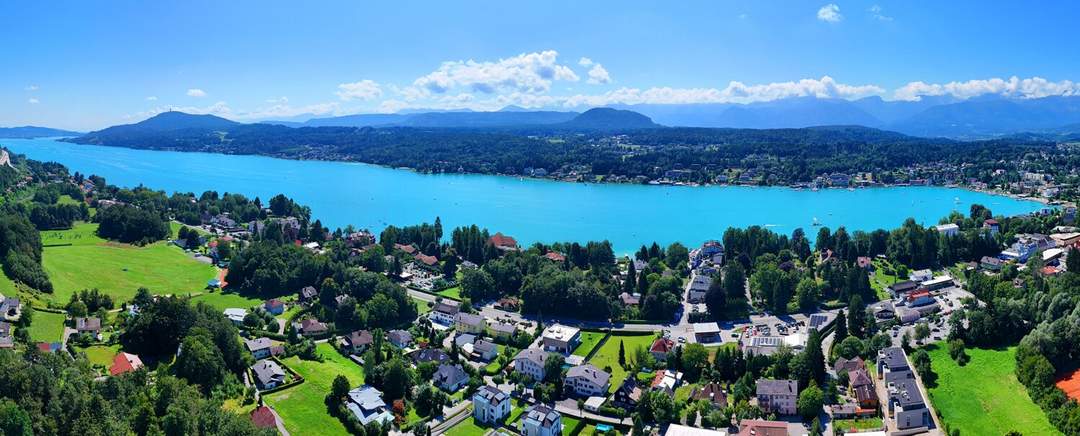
(86, 65)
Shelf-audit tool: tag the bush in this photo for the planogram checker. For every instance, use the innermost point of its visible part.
(131, 224)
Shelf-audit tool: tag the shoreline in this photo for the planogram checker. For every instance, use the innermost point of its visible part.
(659, 182)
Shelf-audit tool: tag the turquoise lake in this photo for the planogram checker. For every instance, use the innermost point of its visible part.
(372, 197)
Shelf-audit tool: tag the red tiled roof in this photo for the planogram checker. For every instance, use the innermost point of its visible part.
(662, 345)
(427, 260)
(555, 256)
(501, 240)
(263, 417)
(406, 248)
(125, 363)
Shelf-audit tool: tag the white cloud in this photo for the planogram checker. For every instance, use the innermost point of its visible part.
(362, 90)
(32, 88)
(735, 92)
(598, 75)
(875, 11)
(1034, 87)
(526, 72)
(196, 92)
(151, 98)
(584, 61)
(278, 100)
(830, 13)
(33, 101)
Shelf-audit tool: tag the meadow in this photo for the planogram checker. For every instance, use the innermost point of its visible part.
(78, 259)
(608, 354)
(984, 396)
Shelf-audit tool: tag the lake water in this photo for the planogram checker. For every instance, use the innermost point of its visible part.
(372, 197)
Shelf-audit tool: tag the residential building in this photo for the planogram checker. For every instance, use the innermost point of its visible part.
(992, 225)
(891, 359)
(587, 380)
(10, 308)
(310, 327)
(666, 380)
(903, 287)
(490, 405)
(561, 339)
(367, 405)
(274, 306)
(699, 286)
(485, 350)
(502, 330)
(358, 341)
(906, 404)
(950, 229)
(991, 263)
(400, 338)
(89, 325)
(429, 355)
(268, 374)
(778, 396)
(503, 242)
(450, 378)
(469, 323)
(713, 393)
(530, 362)
(124, 363)
(236, 315)
(845, 365)
(758, 427)
(445, 312)
(308, 294)
(630, 299)
(628, 394)
(921, 275)
(258, 347)
(661, 347)
(540, 420)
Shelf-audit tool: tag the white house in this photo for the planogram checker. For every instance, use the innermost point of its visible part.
(540, 420)
(445, 312)
(530, 362)
(778, 396)
(588, 380)
(490, 405)
(950, 229)
(367, 405)
(236, 315)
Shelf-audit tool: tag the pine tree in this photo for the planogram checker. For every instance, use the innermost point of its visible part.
(841, 327)
(622, 355)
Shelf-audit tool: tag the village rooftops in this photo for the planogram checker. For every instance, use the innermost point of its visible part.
(492, 394)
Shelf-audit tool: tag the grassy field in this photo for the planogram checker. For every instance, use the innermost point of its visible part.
(421, 306)
(225, 300)
(47, 326)
(608, 355)
(302, 407)
(77, 259)
(101, 354)
(453, 293)
(881, 280)
(589, 340)
(984, 397)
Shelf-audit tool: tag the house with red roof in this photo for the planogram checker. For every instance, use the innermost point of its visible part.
(263, 417)
(124, 363)
(661, 347)
(555, 257)
(426, 260)
(503, 242)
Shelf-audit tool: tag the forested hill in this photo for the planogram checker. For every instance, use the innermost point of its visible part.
(34, 132)
(593, 143)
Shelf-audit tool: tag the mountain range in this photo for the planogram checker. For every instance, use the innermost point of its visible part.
(983, 117)
(29, 132)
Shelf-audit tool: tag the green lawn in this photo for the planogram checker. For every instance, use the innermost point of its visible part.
(118, 269)
(421, 306)
(302, 407)
(881, 280)
(608, 355)
(101, 354)
(453, 293)
(984, 397)
(466, 427)
(225, 300)
(860, 424)
(568, 424)
(589, 340)
(47, 326)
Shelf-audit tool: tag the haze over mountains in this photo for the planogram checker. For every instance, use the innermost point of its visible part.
(932, 116)
(34, 132)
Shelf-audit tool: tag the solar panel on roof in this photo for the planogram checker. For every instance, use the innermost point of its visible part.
(817, 320)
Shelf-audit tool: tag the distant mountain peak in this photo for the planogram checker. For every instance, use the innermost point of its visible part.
(606, 118)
